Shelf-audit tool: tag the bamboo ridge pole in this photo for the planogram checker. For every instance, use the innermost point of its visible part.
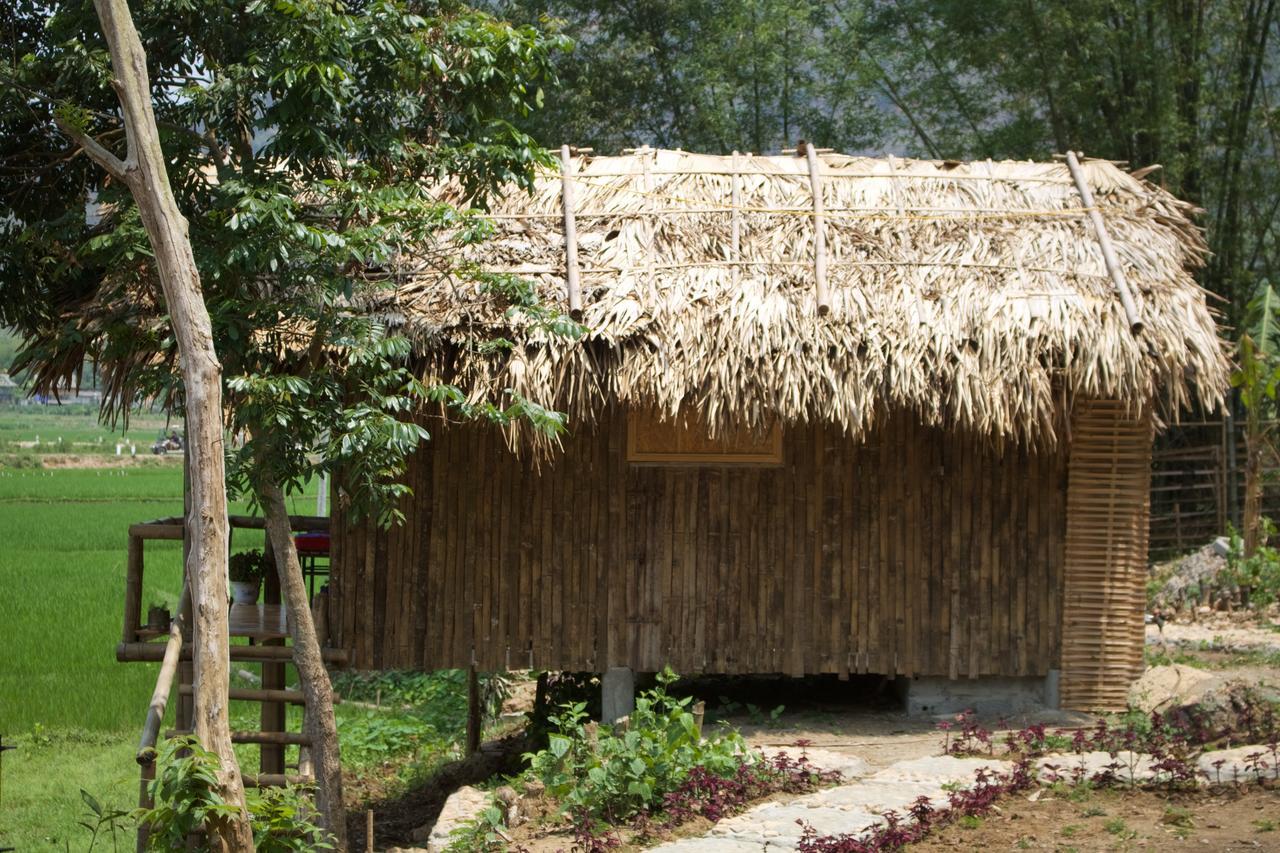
(1104, 240)
(570, 235)
(819, 231)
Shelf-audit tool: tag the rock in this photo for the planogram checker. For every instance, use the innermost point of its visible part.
(1070, 767)
(1193, 572)
(1223, 707)
(508, 800)
(462, 805)
(1242, 764)
(880, 797)
(938, 770)
(708, 845)
(1163, 687)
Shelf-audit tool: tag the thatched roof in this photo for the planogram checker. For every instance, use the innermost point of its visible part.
(973, 294)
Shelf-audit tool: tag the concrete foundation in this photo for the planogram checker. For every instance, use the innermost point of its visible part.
(617, 694)
(928, 696)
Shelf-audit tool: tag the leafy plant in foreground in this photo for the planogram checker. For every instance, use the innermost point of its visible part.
(186, 801)
(600, 774)
(185, 794)
(99, 819)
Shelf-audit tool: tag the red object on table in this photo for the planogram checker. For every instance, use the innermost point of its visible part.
(312, 543)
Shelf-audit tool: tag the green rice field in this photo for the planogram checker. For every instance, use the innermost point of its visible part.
(73, 711)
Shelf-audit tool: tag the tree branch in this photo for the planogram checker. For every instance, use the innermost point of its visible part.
(110, 163)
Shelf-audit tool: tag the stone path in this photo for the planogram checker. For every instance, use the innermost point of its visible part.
(860, 803)
(848, 808)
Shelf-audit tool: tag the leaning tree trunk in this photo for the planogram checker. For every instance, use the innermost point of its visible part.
(320, 724)
(143, 171)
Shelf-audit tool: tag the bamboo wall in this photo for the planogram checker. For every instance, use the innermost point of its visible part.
(917, 552)
(1108, 503)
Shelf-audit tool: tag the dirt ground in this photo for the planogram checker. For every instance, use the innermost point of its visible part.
(1122, 821)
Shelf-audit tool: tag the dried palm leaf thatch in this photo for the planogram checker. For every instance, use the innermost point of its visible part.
(974, 295)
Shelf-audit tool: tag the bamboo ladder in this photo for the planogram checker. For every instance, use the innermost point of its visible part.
(175, 655)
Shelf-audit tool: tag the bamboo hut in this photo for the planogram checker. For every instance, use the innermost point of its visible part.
(829, 415)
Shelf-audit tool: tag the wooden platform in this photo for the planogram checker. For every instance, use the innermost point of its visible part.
(259, 621)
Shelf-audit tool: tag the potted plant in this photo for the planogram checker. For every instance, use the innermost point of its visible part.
(246, 570)
(158, 617)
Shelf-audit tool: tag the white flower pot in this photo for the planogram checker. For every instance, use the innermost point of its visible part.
(245, 592)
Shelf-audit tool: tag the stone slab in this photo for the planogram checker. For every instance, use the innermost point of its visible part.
(938, 770)
(462, 805)
(782, 825)
(1128, 767)
(1237, 765)
(709, 845)
(848, 766)
(883, 796)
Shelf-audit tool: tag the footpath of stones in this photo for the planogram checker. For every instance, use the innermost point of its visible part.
(860, 802)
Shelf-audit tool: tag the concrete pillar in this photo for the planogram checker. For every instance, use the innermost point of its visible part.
(617, 694)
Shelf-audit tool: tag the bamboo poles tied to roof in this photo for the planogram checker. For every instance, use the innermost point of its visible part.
(986, 295)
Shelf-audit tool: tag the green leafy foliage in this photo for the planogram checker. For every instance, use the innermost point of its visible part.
(1256, 577)
(248, 566)
(607, 775)
(282, 821)
(185, 793)
(99, 820)
(303, 137)
(416, 712)
(186, 799)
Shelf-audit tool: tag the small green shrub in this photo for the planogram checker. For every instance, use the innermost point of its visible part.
(282, 821)
(185, 793)
(186, 800)
(605, 775)
(99, 821)
(1117, 827)
(482, 834)
(1255, 578)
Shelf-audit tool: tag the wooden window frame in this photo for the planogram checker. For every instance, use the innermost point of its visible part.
(772, 458)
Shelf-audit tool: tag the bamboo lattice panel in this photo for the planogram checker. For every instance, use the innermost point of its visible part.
(1108, 502)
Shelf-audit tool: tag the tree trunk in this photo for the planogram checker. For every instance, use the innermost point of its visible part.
(314, 678)
(1252, 493)
(143, 171)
